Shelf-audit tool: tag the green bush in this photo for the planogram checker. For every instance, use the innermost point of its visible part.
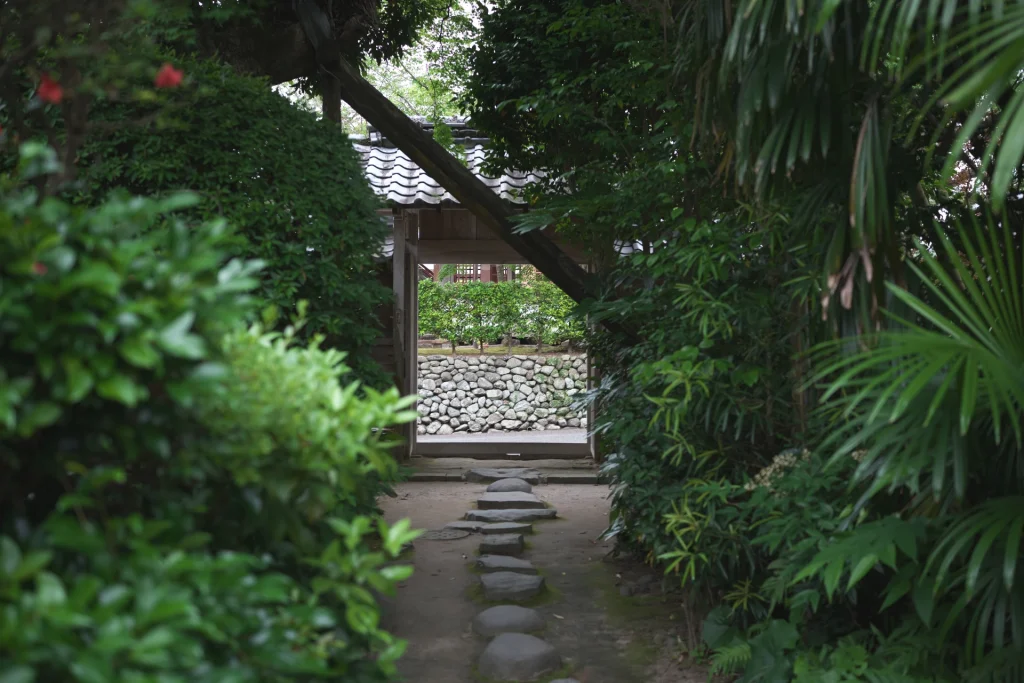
(441, 312)
(290, 185)
(482, 312)
(186, 499)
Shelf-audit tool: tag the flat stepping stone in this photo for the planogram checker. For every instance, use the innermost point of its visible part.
(518, 657)
(488, 564)
(509, 501)
(510, 486)
(494, 621)
(511, 586)
(491, 516)
(471, 527)
(489, 475)
(504, 528)
(502, 544)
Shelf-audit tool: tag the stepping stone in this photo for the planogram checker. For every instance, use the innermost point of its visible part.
(503, 527)
(507, 619)
(510, 486)
(565, 680)
(488, 564)
(509, 501)
(518, 657)
(491, 516)
(502, 544)
(511, 586)
(488, 475)
(471, 527)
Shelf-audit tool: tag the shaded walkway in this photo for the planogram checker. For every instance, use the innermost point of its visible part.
(588, 621)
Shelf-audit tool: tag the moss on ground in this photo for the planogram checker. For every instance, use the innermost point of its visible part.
(476, 593)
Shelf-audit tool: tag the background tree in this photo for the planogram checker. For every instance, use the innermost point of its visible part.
(442, 312)
(782, 177)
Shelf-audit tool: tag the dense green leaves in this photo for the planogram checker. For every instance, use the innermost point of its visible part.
(291, 187)
(833, 175)
(480, 312)
(187, 499)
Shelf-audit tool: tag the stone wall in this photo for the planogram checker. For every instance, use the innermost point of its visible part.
(485, 393)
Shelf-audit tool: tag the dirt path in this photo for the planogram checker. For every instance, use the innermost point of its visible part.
(603, 636)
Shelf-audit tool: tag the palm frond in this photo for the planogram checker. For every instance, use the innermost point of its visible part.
(972, 56)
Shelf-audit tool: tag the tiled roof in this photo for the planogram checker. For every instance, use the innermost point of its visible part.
(396, 178)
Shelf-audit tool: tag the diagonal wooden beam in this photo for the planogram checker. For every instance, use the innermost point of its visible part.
(440, 165)
(462, 183)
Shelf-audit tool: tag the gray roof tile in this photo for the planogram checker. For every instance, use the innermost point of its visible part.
(399, 180)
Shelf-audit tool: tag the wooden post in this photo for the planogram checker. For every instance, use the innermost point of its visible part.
(410, 319)
(399, 275)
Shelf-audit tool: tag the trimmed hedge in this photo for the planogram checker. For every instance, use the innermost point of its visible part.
(480, 312)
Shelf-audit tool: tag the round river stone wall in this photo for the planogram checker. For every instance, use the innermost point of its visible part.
(485, 394)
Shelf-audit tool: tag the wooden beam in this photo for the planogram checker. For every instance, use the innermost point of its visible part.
(470, 191)
(478, 251)
(480, 449)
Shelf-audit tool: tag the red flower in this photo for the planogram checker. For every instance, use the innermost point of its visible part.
(49, 90)
(38, 268)
(168, 77)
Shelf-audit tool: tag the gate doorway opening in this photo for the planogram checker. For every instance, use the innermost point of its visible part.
(497, 408)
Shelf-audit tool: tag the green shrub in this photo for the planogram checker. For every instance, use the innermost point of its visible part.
(186, 499)
(487, 311)
(290, 185)
(441, 312)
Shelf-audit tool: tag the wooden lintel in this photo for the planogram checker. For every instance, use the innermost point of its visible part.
(479, 251)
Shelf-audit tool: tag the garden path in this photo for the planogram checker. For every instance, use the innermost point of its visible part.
(606, 619)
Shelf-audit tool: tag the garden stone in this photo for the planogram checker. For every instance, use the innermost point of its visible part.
(506, 528)
(491, 516)
(517, 657)
(502, 544)
(515, 500)
(493, 474)
(494, 621)
(472, 527)
(488, 564)
(511, 586)
(445, 429)
(510, 486)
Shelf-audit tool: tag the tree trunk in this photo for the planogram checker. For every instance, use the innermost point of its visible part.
(332, 99)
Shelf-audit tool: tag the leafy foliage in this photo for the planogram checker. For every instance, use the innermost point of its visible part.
(487, 311)
(784, 177)
(291, 185)
(190, 500)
